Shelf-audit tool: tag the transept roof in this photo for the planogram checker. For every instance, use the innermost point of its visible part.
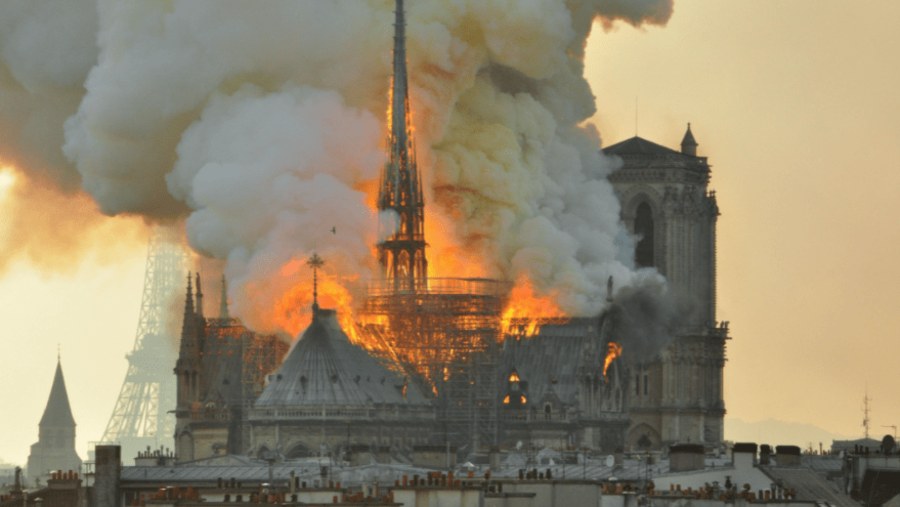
(325, 368)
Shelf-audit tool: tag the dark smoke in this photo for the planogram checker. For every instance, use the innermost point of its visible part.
(643, 320)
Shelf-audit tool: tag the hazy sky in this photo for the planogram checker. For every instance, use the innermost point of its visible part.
(796, 104)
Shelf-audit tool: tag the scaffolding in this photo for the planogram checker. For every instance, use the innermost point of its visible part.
(236, 362)
(446, 337)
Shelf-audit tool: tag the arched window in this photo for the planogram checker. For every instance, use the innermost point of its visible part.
(643, 228)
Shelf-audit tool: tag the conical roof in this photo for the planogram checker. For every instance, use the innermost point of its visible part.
(688, 143)
(58, 411)
(325, 368)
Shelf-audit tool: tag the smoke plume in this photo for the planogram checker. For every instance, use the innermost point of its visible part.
(263, 124)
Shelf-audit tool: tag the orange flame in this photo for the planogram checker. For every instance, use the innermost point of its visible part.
(293, 309)
(526, 309)
(613, 351)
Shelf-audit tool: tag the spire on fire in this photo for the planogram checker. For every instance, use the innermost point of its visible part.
(400, 204)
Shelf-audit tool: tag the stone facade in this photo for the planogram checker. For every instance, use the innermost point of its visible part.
(221, 369)
(667, 204)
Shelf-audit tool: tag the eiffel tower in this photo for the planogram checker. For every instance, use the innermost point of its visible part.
(142, 415)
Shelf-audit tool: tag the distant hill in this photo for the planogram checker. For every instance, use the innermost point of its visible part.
(775, 432)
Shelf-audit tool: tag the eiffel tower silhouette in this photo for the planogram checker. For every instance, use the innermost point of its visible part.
(141, 416)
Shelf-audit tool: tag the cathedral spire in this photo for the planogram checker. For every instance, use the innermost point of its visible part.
(400, 203)
(189, 299)
(188, 323)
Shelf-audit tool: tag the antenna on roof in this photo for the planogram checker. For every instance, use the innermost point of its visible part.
(865, 422)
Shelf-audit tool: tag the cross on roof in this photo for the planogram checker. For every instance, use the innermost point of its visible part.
(315, 262)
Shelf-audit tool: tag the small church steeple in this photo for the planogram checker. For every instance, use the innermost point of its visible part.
(58, 411)
(688, 143)
(55, 448)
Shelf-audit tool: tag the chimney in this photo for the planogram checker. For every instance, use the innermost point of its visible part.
(743, 455)
(108, 470)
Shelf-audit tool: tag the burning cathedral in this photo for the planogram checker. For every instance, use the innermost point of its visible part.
(441, 365)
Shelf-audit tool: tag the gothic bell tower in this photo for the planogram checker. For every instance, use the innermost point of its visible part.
(400, 204)
(667, 205)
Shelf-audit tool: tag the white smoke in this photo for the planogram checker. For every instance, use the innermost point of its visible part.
(263, 123)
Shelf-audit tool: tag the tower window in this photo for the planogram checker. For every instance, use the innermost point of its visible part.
(643, 228)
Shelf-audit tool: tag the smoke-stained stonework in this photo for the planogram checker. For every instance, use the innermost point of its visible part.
(678, 396)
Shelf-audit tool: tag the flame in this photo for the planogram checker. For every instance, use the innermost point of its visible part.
(293, 309)
(513, 377)
(613, 351)
(525, 310)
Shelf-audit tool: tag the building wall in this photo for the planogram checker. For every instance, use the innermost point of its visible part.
(301, 438)
(683, 398)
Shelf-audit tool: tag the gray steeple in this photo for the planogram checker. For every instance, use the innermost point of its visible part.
(58, 412)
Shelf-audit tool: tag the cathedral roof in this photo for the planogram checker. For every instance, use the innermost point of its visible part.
(638, 152)
(640, 146)
(58, 412)
(325, 368)
(549, 361)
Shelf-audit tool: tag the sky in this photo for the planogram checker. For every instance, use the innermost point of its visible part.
(796, 105)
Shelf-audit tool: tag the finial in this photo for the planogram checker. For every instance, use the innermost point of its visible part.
(315, 262)
(58, 353)
(199, 303)
(189, 298)
(609, 289)
(223, 302)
